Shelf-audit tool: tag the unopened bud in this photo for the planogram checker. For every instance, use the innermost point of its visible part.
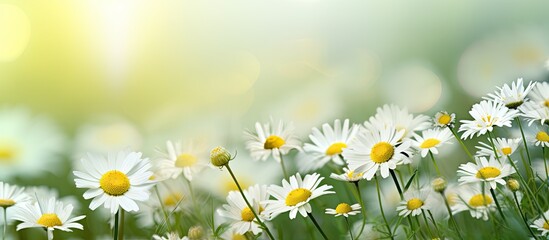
(439, 184)
(513, 184)
(220, 157)
(195, 232)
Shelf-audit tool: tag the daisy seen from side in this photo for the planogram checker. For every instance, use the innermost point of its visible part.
(344, 209)
(180, 158)
(430, 140)
(511, 96)
(487, 170)
(541, 224)
(239, 215)
(503, 146)
(471, 198)
(393, 116)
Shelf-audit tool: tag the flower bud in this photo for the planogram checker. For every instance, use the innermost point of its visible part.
(439, 184)
(513, 184)
(220, 157)
(195, 232)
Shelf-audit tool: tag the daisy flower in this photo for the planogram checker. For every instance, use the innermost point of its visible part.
(486, 115)
(540, 94)
(241, 217)
(373, 150)
(344, 209)
(542, 139)
(534, 112)
(271, 140)
(471, 198)
(118, 180)
(511, 96)
(430, 140)
(444, 119)
(392, 116)
(327, 145)
(414, 203)
(541, 225)
(169, 236)
(180, 159)
(29, 145)
(489, 170)
(11, 196)
(348, 175)
(504, 147)
(294, 196)
(49, 214)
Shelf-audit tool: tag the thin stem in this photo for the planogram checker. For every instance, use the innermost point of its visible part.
(434, 223)
(283, 167)
(396, 183)
(163, 208)
(522, 215)
(362, 209)
(497, 204)
(349, 228)
(491, 139)
(524, 141)
(381, 208)
(545, 163)
(453, 220)
(434, 163)
(5, 223)
(248, 203)
(121, 225)
(461, 143)
(426, 224)
(317, 226)
(115, 234)
(418, 229)
(522, 181)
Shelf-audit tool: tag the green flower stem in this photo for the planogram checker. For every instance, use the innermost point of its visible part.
(362, 209)
(462, 144)
(545, 163)
(115, 234)
(497, 205)
(524, 141)
(397, 184)
(522, 181)
(523, 216)
(282, 165)
(163, 209)
(452, 219)
(317, 226)
(434, 223)
(435, 163)
(381, 209)
(491, 139)
(121, 226)
(349, 228)
(5, 223)
(426, 224)
(418, 229)
(248, 203)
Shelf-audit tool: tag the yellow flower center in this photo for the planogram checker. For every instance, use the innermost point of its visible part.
(480, 200)
(343, 208)
(297, 195)
(429, 143)
(444, 119)
(114, 183)
(6, 203)
(546, 103)
(7, 153)
(542, 136)
(185, 160)
(237, 236)
(353, 175)
(414, 204)
(336, 148)
(382, 152)
(273, 141)
(506, 150)
(488, 172)
(172, 199)
(546, 225)
(49, 220)
(487, 119)
(247, 214)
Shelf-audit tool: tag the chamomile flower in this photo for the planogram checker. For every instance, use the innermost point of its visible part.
(29, 145)
(344, 209)
(489, 170)
(541, 139)
(240, 216)
(430, 140)
(471, 198)
(47, 213)
(326, 145)
(180, 158)
(11, 196)
(540, 94)
(541, 224)
(486, 115)
(347, 175)
(271, 140)
(392, 116)
(294, 195)
(534, 112)
(504, 147)
(511, 96)
(414, 203)
(373, 150)
(444, 119)
(118, 180)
